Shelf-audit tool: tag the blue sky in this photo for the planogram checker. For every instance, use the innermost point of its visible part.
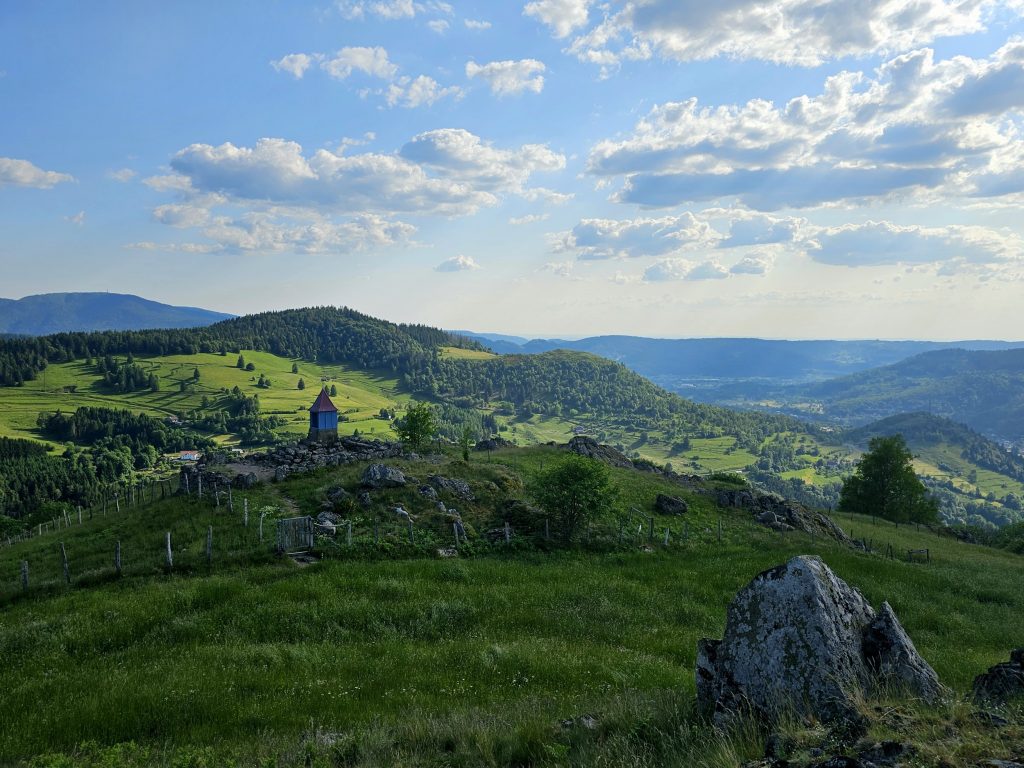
(802, 169)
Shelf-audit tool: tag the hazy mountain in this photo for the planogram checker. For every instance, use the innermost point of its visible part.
(682, 363)
(58, 312)
(982, 389)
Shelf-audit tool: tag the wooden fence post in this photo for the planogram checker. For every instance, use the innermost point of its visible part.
(67, 519)
(455, 530)
(666, 536)
(547, 529)
(24, 575)
(209, 546)
(188, 490)
(117, 502)
(216, 496)
(245, 517)
(64, 562)
(412, 536)
(376, 531)
(262, 515)
(348, 534)
(719, 529)
(200, 483)
(508, 533)
(79, 514)
(117, 558)
(170, 555)
(231, 500)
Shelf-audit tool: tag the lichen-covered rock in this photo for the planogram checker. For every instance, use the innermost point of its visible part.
(1002, 682)
(589, 447)
(670, 505)
(893, 660)
(795, 638)
(383, 476)
(451, 485)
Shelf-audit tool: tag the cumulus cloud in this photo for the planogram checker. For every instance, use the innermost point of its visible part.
(22, 173)
(419, 91)
(754, 264)
(509, 77)
(793, 32)
(558, 268)
(562, 16)
(78, 219)
(476, 25)
(295, 64)
(667, 270)
(440, 26)
(457, 264)
(916, 125)
(761, 229)
(275, 197)
(629, 238)
(884, 243)
(371, 61)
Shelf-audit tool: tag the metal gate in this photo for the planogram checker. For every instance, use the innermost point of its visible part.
(295, 535)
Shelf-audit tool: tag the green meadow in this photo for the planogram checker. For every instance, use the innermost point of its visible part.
(384, 655)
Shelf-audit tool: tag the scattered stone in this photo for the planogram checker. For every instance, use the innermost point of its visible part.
(492, 444)
(328, 518)
(280, 474)
(1002, 682)
(887, 753)
(795, 638)
(428, 491)
(448, 552)
(364, 499)
(583, 721)
(383, 476)
(670, 505)
(336, 494)
(990, 719)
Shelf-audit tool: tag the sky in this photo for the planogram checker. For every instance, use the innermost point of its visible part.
(671, 168)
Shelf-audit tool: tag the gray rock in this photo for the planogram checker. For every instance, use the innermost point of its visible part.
(1002, 682)
(383, 476)
(451, 485)
(670, 505)
(364, 499)
(428, 491)
(280, 474)
(894, 661)
(589, 447)
(795, 638)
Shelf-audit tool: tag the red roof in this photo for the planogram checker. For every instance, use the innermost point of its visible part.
(323, 403)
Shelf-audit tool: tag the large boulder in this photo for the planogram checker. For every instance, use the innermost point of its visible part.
(796, 638)
(589, 447)
(454, 486)
(383, 476)
(1002, 682)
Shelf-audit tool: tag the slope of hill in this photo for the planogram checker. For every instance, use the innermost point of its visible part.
(61, 312)
(384, 653)
(982, 389)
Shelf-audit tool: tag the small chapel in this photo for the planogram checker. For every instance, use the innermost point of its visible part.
(323, 419)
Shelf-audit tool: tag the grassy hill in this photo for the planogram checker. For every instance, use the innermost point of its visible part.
(389, 654)
(58, 312)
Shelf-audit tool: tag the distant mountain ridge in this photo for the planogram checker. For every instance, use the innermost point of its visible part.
(671, 362)
(48, 313)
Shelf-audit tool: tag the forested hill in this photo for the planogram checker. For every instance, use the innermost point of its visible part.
(984, 390)
(922, 430)
(67, 312)
(324, 334)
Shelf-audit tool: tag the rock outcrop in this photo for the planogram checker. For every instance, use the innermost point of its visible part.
(1002, 682)
(670, 505)
(383, 476)
(780, 514)
(589, 447)
(454, 486)
(800, 637)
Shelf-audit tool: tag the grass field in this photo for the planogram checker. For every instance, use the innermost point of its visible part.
(360, 397)
(360, 660)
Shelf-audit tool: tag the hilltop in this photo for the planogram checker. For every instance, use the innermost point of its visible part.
(388, 651)
(49, 313)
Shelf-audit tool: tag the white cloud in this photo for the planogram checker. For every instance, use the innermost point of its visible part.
(630, 238)
(391, 10)
(371, 61)
(755, 264)
(794, 32)
(295, 64)
(457, 264)
(78, 219)
(917, 125)
(182, 215)
(884, 243)
(761, 229)
(122, 174)
(509, 77)
(559, 268)
(531, 218)
(667, 270)
(563, 16)
(418, 92)
(22, 173)
(476, 25)
(440, 26)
